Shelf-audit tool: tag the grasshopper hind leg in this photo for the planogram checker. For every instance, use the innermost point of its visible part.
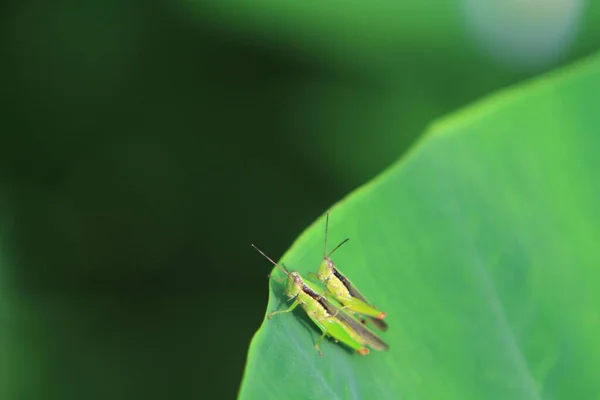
(318, 342)
(323, 330)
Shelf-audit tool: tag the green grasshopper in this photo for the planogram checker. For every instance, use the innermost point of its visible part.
(343, 290)
(331, 320)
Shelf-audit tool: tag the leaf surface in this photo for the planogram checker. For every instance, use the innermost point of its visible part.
(481, 245)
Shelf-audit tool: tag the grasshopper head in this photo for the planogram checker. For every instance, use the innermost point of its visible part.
(325, 269)
(294, 284)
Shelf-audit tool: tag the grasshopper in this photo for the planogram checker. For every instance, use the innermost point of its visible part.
(343, 290)
(331, 320)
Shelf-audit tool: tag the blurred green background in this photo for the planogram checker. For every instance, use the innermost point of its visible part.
(144, 146)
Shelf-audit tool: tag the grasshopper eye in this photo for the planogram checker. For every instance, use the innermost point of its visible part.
(297, 278)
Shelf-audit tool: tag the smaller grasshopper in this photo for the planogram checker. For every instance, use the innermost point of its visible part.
(331, 320)
(343, 290)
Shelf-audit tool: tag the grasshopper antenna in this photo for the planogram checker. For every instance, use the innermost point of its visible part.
(337, 247)
(325, 255)
(326, 229)
(272, 262)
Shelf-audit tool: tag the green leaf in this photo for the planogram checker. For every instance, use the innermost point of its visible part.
(483, 247)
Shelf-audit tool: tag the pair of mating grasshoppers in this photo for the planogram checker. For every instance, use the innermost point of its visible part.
(340, 311)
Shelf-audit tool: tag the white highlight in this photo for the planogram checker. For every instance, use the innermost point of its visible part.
(524, 34)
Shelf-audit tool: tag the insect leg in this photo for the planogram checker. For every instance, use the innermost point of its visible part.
(290, 309)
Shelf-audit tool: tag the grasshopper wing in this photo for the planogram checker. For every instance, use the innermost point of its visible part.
(370, 338)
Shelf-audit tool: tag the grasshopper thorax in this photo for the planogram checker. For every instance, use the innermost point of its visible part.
(294, 285)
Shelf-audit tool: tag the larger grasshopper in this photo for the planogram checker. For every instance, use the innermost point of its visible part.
(343, 290)
(331, 320)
